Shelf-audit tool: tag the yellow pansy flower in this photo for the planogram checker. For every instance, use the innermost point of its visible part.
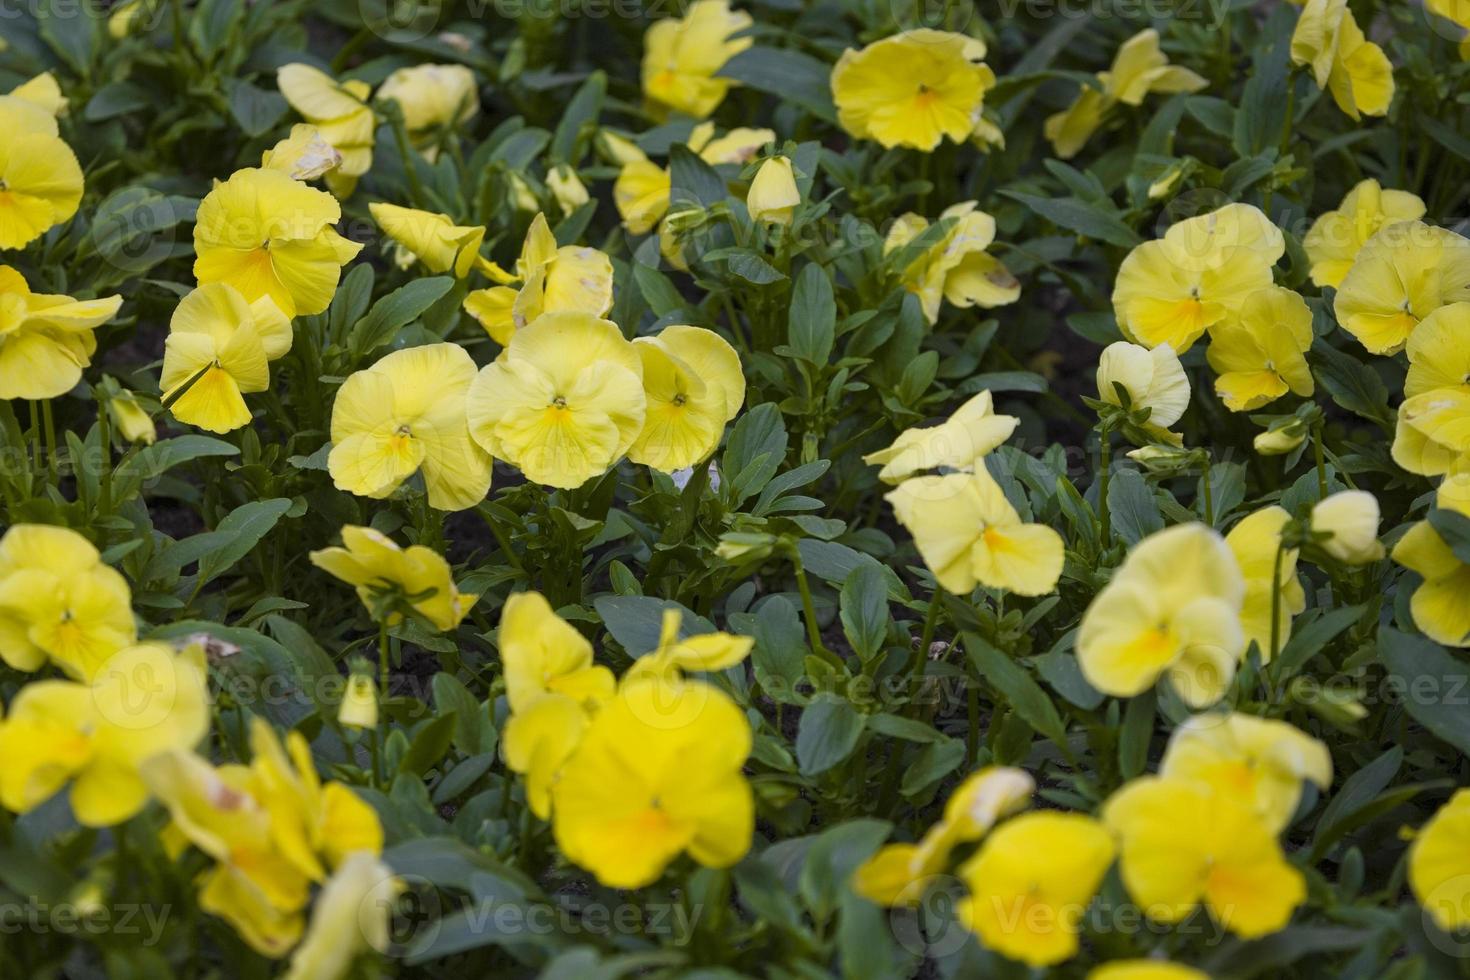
(1433, 432)
(1350, 519)
(1172, 608)
(682, 57)
(1030, 882)
(1404, 273)
(419, 576)
(957, 443)
(351, 916)
(1335, 239)
(434, 239)
(700, 652)
(219, 349)
(58, 600)
(564, 403)
(406, 415)
(956, 268)
(1146, 970)
(773, 196)
(1182, 843)
(304, 155)
(142, 701)
(359, 707)
(1153, 379)
(967, 533)
(1441, 604)
(552, 279)
(341, 115)
(1261, 354)
(1138, 68)
(537, 742)
(913, 89)
(45, 339)
(693, 385)
(542, 654)
(40, 178)
(1355, 70)
(1254, 542)
(1259, 762)
(268, 235)
(1439, 351)
(432, 98)
(1439, 864)
(678, 748)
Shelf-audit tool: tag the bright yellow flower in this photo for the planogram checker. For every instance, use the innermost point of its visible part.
(1258, 762)
(1404, 273)
(693, 384)
(40, 179)
(341, 115)
(773, 196)
(1441, 604)
(899, 874)
(433, 98)
(416, 576)
(1439, 351)
(567, 188)
(1355, 70)
(144, 700)
(351, 916)
(1254, 542)
(960, 442)
(1350, 519)
(43, 91)
(1030, 882)
(681, 58)
(553, 279)
(1336, 238)
(1182, 843)
(435, 239)
(1173, 608)
(406, 415)
(1139, 68)
(1439, 864)
(58, 600)
(542, 654)
(1153, 379)
(1433, 433)
(303, 155)
(1173, 289)
(699, 652)
(678, 748)
(955, 268)
(913, 89)
(1146, 970)
(1261, 355)
(538, 741)
(268, 235)
(564, 403)
(219, 349)
(359, 707)
(967, 533)
(45, 339)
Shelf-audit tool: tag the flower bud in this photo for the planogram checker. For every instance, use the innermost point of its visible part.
(359, 708)
(567, 188)
(133, 423)
(773, 196)
(1350, 517)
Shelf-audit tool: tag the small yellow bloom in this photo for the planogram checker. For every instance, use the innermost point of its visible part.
(913, 89)
(433, 98)
(1350, 517)
(1336, 238)
(567, 188)
(268, 235)
(1254, 541)
(406, 415)
(678, 748)
(436, 240)
(359, 707)
(1146, 970)
(1439, 864)
(1173, 608)
(1030, 882)
(681, 58)
(693, 385)
(1279, 442)
(1258, 762)
(641, 191)
(960, 442)
(40, 178)
(1433, 432)
(304, 155)
(699, 652)
(219, 349)
(1261, 355)
(1153, 379)
(773, 196)
(416, 577)
(967, 533)
(1183, 843)
(45, 339)
(956, 268)
(341, 115)
(132, 421)
(1404, 273)
(1355, 70)
(351, 916)
(1441, 604)
(564, 403)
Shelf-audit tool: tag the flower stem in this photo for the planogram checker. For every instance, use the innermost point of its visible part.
(809, 613)
(1321, 465)
(1106, 461)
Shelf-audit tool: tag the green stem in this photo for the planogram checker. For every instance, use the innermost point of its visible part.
(1106, 460)
(1209, 495)
(1276, 601)
(104, 479)
(383, 659)
(410, 164)
(809, 613)
(49, 421)
(1321, 465)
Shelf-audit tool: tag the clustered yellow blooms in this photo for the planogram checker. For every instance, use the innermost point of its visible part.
(1405, 272)
(1139, 68)
(40, 178)
(915, 89)
(1152, 379)
(1441, 603)
(956, 268)
(341, 115)
(677, 746)
(966, 530)
(1439, 873)
(391, 580)
(681, 57)
(1336, 237)
(45, 339)
(642, 188)
(1433, 432)
(1355, 70)
(273, 829)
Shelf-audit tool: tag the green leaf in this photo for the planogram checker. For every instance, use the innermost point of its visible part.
(1435, 684)
(1017, 687)
(239, 532)
(1135, 735)
(812, 320)
(753, 269)
(691, 180)
(635, 621)
(1134, 510)
(255, 109)
(827, 733)
(580, 114)
(788, 75)
(395, 310)
(1454, 528)
(756, 448)
(471, 733)
(1352, 384)
(1082, 217)
(428, 745)
(864, 610)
